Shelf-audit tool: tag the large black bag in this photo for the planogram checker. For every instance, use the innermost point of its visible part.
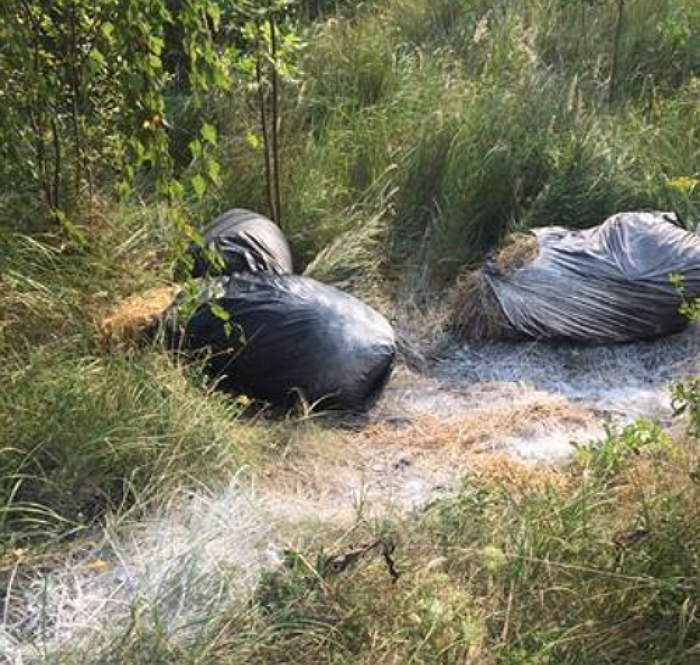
(239, 241)
(610, 283)
(283, 337)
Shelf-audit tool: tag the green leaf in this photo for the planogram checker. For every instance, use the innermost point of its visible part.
(684, 184)
(209, 133)
(199, 185)
(155, 44)
(196, 148)
(252, 139)
(213, 170)
(219, 312)
(107, 29)
(97, 58)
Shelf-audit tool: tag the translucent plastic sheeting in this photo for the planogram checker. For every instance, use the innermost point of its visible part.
(610, 283)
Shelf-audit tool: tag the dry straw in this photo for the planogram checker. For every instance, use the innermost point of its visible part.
(475, 313)
(518, 250)
(123, 327)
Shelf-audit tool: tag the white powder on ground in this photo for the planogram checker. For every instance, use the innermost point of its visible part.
(204, 552)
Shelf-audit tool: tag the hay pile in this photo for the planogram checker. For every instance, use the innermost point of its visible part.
(123, 327)
(518, 250)
(475, 314)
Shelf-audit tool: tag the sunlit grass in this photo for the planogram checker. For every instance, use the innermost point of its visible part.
(415, 135)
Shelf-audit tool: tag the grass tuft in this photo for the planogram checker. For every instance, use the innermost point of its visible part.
(84, 435)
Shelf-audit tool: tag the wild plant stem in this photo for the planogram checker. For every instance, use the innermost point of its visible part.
(615, 52)
(275, 117)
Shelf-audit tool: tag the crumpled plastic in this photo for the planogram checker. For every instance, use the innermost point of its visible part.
(621, 281)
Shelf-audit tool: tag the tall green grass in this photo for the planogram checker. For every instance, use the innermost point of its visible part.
(479, 119)
(491, 118)
(84, 431)
(84, 435)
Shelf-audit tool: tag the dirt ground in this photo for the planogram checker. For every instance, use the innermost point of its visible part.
(530, 402)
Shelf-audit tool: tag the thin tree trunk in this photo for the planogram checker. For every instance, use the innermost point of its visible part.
(75, 104)
(36, 113)
(265, 136)
(40, 153)
(56, 203)
(612, 91)
(275, 119)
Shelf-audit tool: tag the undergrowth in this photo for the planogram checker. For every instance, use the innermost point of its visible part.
(84, 430)
(595, 563)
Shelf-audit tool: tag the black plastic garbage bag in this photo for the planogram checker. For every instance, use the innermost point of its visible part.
(611, 283)
(283, 337)
(239, 241)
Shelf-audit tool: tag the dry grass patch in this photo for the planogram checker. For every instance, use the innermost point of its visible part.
(320, 470)
(475, 313)
(122, 327)
(517, 251)
(518, 478)
(474, 430)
